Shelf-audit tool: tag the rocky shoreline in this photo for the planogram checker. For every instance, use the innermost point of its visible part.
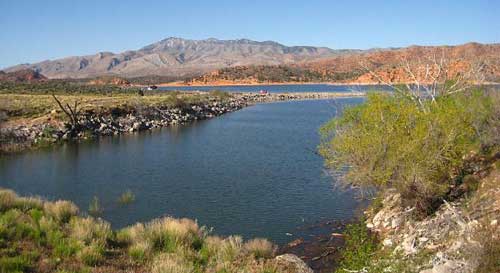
(91, 124)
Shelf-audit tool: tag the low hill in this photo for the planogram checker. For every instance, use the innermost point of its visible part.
(25, 75)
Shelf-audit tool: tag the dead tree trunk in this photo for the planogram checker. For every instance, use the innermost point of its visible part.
(72, 112)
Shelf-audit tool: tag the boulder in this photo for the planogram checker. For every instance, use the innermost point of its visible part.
(293, 263)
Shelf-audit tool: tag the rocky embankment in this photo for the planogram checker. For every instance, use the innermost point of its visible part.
(460, 237)
(94, 124)
(16, 136)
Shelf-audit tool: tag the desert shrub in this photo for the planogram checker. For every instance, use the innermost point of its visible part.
(390, 142)
(259, 248)
(61, 210)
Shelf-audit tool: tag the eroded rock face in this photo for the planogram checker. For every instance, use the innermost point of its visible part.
(293, 264)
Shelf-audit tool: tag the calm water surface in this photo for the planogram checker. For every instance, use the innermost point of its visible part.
(252, 172)
(282, 88)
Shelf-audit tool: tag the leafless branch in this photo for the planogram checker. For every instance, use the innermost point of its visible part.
(72, 112)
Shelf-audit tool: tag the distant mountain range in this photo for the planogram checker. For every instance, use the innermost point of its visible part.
(351, 68)
(213, 61)
(180, 57)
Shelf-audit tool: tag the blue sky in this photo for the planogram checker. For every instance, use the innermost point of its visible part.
(37, 30)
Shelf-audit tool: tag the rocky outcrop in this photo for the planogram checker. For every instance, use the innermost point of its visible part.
(449, 241)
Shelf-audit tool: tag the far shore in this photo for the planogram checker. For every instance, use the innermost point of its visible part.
(215, 84)
(181, 84)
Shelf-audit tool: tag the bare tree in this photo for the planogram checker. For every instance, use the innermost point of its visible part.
(433, 76)
(72, 112)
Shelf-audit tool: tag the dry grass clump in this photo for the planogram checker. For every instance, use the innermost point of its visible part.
(132, 234)
(139, 251)
(168, 233)
(161, 235)
(90, 230)
(170, 263)
(260, 248)
(27, 203)
(7, 199)
(61, 210)
(91, 255)
(230, 248)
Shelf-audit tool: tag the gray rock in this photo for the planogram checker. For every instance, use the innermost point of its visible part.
(293, 263)
(137, 126)
(448, 267)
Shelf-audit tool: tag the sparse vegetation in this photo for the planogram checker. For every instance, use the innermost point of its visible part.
(95, 207)
(42, 236)
(126, 198)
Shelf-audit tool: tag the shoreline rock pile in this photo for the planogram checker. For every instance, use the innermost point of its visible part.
(106, 124)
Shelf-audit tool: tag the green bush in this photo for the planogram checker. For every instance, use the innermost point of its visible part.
(359, 249)
(391, 142)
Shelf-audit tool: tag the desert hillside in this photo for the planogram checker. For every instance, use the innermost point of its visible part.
(387, 65)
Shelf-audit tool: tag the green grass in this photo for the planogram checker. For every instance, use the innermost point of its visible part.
(34, 232)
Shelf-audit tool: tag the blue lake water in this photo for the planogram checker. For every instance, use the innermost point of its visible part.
(253, 172)
(290, 88)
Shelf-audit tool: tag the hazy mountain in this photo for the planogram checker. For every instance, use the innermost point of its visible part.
(179, 57)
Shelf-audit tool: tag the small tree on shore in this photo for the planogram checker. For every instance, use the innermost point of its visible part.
(413, 140)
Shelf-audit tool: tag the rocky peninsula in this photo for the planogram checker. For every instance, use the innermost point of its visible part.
(103, 116)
